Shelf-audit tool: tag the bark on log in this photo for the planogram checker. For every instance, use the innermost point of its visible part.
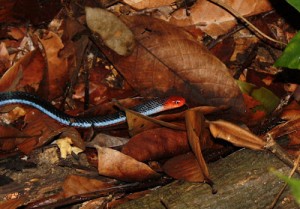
(242, 179)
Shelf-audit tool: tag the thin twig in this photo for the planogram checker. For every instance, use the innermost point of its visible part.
(236, 14)
(296, 164)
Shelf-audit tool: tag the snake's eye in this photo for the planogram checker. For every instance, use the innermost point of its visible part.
(177, 102)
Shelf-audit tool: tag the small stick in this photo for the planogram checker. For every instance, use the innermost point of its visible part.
(236, 14)
(285, 185)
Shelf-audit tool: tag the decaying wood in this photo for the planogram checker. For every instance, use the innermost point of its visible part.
(242, 179)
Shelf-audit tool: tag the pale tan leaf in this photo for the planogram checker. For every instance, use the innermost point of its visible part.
(219, 21)
(115, 164)
(146, 4)
(236, 135)
(113, 31)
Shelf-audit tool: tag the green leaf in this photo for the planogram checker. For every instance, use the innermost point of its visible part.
(266, 97)
(295, 3)
(293, 183)
(245, 87)
(290, 57)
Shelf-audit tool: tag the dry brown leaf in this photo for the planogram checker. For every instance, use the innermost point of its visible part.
(13, 203)
(168, 60)
(75, 136)
(41, 128)
(156, 144)
(75, 185)
(56, 76)
(20, 74)
(138, 124)
(285, 128)
(115, 164)
(184, 167)
(195, 125)
(236, 135)
(219, 21)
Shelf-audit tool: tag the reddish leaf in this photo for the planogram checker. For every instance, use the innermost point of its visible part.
(115, 164)
(12, 203)
(185, 167)
(57, 71)
(14, 76)
(40, 127)
(156, 144)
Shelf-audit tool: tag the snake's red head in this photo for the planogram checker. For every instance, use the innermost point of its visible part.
(174, 102)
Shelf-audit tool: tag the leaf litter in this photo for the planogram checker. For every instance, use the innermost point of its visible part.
(161, 59)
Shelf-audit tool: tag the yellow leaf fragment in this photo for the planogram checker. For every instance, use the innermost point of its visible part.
(66, 148)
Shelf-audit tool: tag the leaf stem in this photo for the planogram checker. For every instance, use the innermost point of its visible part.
(251, 26)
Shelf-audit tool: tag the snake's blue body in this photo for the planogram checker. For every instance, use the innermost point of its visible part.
(149, 108)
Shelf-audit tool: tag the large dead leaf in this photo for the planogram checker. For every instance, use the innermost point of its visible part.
(156, 144)
(219, 21)
(115, 164)
(169, 60)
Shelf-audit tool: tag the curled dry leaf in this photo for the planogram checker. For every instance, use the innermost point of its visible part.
(115, 164)
(219, 21)
(168, 60)
(112, 31)
(285, 128)
(195, 125)
(236, 135)
(75, 185)
(156, 144)
(184, 167)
